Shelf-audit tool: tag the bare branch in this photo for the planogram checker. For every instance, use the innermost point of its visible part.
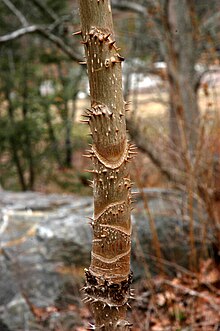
(45, 9)
(128, 5)
(148, 148)
(17, 12)
(60, 20)
(46, 33)
(61, 44)
(18, 33)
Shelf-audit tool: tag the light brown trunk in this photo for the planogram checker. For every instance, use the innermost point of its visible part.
(108, 278)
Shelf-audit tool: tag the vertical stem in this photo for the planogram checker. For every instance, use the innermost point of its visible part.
(13, 143)
(108, 278)
(52, 136)
(28, 144)
(155, 239)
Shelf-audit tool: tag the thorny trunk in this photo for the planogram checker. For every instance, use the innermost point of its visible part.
(109, 277)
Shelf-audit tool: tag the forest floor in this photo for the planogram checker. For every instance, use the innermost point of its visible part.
(188, 302)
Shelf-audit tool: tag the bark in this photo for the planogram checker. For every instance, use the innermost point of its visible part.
(180, 55)
(109, 277)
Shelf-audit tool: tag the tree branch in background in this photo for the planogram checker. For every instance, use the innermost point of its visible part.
(45, 9)
(17, 12)
(131, 6)
(18, 33)
(147, 147)
(43, 30)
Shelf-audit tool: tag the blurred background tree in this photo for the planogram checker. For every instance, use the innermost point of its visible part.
(41, 80)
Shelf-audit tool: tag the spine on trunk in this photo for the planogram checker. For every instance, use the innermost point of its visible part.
(108, 278)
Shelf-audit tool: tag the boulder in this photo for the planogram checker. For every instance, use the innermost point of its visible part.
(41, 234)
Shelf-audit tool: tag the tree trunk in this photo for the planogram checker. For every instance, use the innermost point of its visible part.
(68, 139)
(28, 145)
(13, 143)
(109, 277)
(179, 50)
(52, 136)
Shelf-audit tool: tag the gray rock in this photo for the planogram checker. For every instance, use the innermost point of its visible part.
(40, 233)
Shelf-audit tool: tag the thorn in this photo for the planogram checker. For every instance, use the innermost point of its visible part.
(112, 43)
(77, 33)
(84, 42)
(91, 171)
(83, 288)
(113, 60)
(88, 156)
(82, 62)
(121, 58)
(84, 121)
(89, 110)
(86, 115)
(86, 298)
(107, 35)
(101, 38)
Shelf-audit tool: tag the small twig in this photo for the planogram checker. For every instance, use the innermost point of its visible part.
(191, 292)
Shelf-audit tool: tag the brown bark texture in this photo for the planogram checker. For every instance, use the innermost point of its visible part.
(109, 277)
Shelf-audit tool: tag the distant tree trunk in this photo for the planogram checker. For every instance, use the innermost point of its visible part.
(52, 136)
(109, 277)
(179, 49)
(13, 144)
(27, 147)
(68, 140)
